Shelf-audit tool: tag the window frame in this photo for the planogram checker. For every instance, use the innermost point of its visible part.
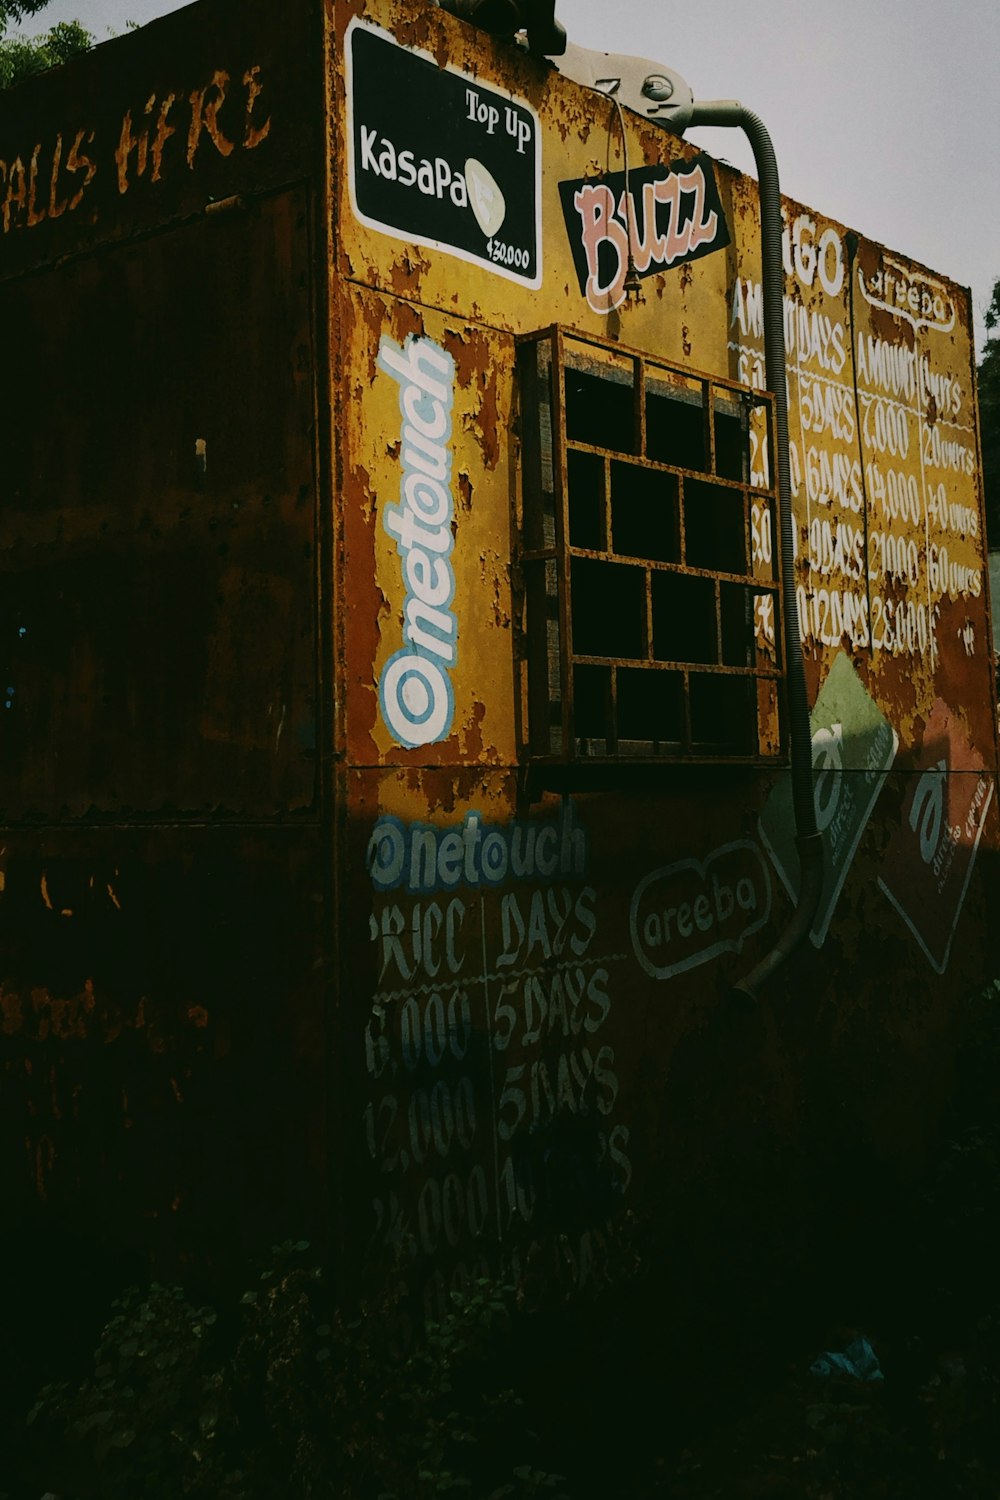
(547, 553)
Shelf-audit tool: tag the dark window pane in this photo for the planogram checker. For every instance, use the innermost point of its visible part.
(732, 450)
(675, 431)
(736, 608)
(651, 707)
(599, 411)
(592, 702)
(586, 501)
(644, 513)
(684, 625)
(714, 527)
(723, 714)
(609, 609)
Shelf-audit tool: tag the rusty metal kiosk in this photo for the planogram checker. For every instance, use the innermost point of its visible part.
(393, 755)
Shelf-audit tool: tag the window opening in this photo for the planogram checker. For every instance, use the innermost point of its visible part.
(649, 558)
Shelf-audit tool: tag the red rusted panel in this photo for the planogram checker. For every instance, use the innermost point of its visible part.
(158, 562)
(162, 1035)
(162, 879)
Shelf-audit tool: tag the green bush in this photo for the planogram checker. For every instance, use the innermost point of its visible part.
(149, 1411)
(292, 1398)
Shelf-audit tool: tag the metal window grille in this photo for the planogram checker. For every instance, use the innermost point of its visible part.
(649, 559)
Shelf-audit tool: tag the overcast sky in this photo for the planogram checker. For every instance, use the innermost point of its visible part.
(883, 112)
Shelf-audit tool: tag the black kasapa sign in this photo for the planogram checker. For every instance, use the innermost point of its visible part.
(441, 159)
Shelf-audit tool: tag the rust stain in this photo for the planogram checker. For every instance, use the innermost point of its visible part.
(62, 1018)
(405, 272)
(365, 489)
(501, 596)
(414, 781)
(490, 427)
(12, 1008)
(45, 1160)
(472, 733)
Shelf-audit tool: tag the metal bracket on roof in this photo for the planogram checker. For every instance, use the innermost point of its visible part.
(649, 88)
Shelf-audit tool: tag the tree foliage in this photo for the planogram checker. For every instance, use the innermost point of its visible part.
(16, 10)
(989, 412)
(22, 56)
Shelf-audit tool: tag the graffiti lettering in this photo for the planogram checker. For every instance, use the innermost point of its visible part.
(947, 453)
(806, 257)
(428, 943)
(950, 577)
(23, 202)
(565, 1001)
(899, 371)
(836, 547)
(601, 227)
(127, 142)
(423, 857)
(553, 924)
(59, 174)
(415, 691)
